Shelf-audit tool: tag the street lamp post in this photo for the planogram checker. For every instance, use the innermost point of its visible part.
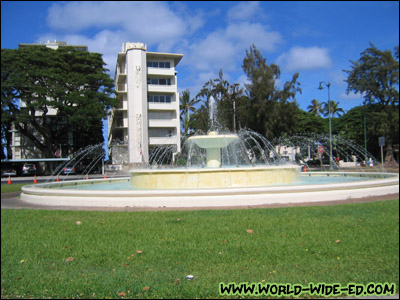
(234, 106)
(330, 121)
(365, 134)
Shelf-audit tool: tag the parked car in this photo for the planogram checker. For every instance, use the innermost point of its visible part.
(68, 170)
(317, 162)
(29, 169)
(8, 172)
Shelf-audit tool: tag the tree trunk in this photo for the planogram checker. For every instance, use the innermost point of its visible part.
(389, 158)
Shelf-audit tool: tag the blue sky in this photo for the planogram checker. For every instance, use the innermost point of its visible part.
(316, 39)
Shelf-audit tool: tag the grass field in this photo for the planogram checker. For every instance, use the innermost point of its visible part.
(15, 187)
(76, 254)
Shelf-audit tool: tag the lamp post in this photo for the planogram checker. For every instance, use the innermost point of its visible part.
(365, 133)
(330, 121)
(234, 106)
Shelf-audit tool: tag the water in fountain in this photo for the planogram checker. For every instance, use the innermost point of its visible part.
(247, 148)
(213, 112)
(350, 155)
(91, 153)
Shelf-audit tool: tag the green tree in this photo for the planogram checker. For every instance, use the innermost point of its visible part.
(73, 84)
(227, 97)
(218, 88)
(187, 107)
(376, 76)
(200, 119)
(273, 110)
(309, 122)
(335, 109)
(315, 107)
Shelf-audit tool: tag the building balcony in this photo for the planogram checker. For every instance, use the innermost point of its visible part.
(121, 88)
(152, 88)
(123, 105)
(160, 71)
(170, 140)
(162, 106)
(120, 123)
(156, 123)
(120, 75)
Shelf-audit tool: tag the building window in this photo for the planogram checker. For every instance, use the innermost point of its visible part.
(159, 81)
(159, 99)
(159, 64)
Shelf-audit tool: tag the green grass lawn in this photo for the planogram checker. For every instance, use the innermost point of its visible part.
(46, 254)
(14, 187)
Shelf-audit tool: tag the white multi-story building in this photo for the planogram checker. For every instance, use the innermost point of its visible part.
(148, 114)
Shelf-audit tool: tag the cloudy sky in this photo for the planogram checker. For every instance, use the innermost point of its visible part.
(316, 39)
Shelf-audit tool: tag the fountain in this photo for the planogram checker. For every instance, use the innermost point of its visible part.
(213, 142)
(213, 175)
(221, 169)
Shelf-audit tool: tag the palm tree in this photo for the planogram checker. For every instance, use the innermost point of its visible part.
(335, 109)
(315, 107)
(186, 107)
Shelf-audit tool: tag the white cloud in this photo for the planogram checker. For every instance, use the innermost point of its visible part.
(253, 33)
(351, 96)
(164, 27)
(105, 42)
(212, 53)
(152, 22)
(226, 48)
(243, 11)
(299, 58)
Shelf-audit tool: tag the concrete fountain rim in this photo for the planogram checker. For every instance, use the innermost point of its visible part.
(37, 194)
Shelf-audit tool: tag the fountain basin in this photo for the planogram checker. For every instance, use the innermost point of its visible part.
(57, 194)
(214, 177)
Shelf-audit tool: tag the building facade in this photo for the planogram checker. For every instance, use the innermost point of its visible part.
(148, 115)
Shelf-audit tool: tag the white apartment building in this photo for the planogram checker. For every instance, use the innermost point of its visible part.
(148, 115)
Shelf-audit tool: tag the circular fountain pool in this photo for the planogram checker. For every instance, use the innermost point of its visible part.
(332, 186)
(221, 169)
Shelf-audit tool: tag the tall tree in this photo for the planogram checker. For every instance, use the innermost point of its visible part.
(61, 90)
(376, 76)
(187, 107)
(225, 95)
(334, 108)
(273, 110)
(315, 107)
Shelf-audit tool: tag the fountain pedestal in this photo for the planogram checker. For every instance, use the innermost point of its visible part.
(213, 157)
